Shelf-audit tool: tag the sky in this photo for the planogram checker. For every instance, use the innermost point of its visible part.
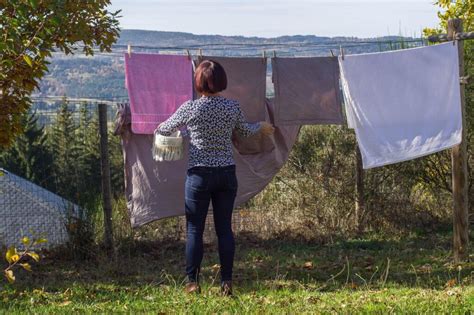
(271, 18)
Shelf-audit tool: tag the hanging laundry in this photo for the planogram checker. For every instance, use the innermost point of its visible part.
(157, 85)
(246, 83)
(403, 104)
(307, 91)
(156, 190)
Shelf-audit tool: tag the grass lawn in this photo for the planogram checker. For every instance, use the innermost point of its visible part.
(410, 274)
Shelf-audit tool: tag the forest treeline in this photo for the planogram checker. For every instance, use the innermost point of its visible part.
(64, 156)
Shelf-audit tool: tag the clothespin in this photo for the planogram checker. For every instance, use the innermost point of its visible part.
(332, 53)
(129, 50)
(342, 52)
(464, 80)
(189, 54)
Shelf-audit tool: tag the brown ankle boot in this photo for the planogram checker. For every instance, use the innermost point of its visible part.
(192, 288)
(226, 288)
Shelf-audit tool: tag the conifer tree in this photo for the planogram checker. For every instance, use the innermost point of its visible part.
(63, 145)
(29, 156)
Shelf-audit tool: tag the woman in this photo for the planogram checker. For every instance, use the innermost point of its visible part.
(210, 121)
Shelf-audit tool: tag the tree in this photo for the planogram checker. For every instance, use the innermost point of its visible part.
(63, 145)
(28, 156)
(88, 159)
(30, 30)
(463, 9)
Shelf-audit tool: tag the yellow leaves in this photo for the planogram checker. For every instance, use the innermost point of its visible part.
(26, 266)
(15, 258)
(25, 240)
(34, 255)
(28, 60)
(41, 241)
(10, 253)
(10, 276)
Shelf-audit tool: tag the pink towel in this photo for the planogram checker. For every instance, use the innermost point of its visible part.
(157, 85)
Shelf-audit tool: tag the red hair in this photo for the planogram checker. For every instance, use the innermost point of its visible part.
(210, 77)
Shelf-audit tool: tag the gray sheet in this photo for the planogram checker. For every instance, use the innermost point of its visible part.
(307, 91)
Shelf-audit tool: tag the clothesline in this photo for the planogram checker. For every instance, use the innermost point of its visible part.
(106, 101)
(290, 44)
(267, 47)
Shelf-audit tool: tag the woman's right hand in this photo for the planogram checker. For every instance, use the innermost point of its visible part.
(266, 128)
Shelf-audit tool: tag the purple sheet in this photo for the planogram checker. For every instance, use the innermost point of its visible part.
(155, 190)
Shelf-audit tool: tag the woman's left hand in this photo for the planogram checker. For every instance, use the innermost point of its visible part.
(266, 128)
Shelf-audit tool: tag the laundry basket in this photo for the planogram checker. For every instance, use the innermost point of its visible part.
(168, 148)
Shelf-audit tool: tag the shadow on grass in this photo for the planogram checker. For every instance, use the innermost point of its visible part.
(371, 262)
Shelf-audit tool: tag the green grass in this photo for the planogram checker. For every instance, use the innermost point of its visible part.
(411, 274)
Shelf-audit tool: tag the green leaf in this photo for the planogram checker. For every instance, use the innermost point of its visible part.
(28, 60)
(34, 3)
(55, 20)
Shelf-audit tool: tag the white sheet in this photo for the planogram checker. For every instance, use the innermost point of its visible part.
(403, 104)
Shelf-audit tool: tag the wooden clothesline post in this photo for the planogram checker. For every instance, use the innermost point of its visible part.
(459, 153)
(105, 170)
(359, 190)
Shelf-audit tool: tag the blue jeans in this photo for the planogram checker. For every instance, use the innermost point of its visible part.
(203, 185)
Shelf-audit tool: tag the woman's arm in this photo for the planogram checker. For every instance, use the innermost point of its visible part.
(244, 128)
(177, 120)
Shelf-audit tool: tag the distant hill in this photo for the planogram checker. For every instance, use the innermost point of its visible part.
(102, 76)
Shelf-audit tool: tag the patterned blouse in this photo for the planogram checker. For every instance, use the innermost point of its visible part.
(210, 121)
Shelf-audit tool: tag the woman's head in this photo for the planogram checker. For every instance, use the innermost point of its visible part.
(210, 77)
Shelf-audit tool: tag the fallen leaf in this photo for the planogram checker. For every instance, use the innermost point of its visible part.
(308, 265)
(65, 303)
